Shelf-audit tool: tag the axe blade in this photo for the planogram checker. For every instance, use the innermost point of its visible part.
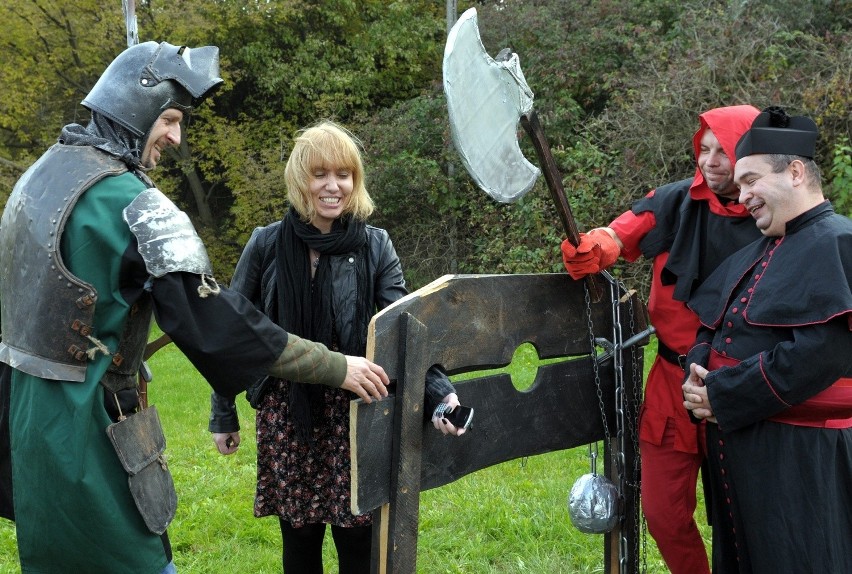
(485, 100)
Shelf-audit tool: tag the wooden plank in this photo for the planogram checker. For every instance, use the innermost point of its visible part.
(559, 411)
(477, 322)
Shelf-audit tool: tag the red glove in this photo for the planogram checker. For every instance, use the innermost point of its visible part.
(597, 251)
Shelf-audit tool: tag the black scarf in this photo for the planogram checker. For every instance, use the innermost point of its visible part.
(305, 307)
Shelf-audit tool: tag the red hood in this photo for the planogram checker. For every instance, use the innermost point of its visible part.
(728, 125)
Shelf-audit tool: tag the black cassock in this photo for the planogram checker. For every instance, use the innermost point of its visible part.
(777, 334)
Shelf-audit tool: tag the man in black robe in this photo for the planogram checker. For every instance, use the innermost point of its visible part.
(771, 369)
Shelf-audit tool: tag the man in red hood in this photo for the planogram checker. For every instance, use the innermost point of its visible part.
(687, 228)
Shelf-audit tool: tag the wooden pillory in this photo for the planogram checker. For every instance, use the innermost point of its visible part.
(471, 323)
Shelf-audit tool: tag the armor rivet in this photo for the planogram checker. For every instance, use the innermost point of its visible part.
(69, 285)
(76, 352)
(86, 301)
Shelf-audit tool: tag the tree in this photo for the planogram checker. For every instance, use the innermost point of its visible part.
(618, 86)
(49, 64)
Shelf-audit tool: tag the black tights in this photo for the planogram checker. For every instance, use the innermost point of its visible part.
(303, 548)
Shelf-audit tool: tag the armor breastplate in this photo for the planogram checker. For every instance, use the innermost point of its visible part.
(46, 311)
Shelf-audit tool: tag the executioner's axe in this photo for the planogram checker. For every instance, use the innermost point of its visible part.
(486, 97)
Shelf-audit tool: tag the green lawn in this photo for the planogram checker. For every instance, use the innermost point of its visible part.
(510, 518)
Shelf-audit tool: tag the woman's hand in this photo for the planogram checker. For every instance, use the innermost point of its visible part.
(441, 423)
(227, 442)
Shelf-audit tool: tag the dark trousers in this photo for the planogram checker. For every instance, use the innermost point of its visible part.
(302, 552)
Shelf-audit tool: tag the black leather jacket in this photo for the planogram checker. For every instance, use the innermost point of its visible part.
(254, 277)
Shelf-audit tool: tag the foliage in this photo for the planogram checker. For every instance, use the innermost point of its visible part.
(840, 191)
(618, 86)
(49, 65)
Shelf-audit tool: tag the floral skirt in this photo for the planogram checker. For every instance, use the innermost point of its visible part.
(299, 482)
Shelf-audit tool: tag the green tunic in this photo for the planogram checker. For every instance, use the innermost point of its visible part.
(74, 512)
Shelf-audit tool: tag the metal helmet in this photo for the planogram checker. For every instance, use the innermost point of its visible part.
(148, 78)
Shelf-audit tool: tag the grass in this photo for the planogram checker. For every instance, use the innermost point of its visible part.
(510, 518)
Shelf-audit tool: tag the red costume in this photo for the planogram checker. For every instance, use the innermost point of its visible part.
(688, 231)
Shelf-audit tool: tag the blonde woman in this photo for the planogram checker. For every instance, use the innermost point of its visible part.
(321, 273)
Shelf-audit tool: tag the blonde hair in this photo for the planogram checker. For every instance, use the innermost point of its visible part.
(326, 144)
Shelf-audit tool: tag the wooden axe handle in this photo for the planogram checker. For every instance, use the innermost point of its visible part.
(557, 192)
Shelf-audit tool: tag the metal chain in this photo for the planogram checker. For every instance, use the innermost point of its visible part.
(620, 400)
(626, 410)
(595, 360)
(640, 540)
(613, 347)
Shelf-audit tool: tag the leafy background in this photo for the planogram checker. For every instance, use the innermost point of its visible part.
(618, 88)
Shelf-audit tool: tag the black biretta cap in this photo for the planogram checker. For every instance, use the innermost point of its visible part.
(774, 132)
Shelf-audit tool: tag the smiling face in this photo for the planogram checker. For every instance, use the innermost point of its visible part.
(716, 166)
(774, 197)
(330, 188)
(325, 176)
(165, 132)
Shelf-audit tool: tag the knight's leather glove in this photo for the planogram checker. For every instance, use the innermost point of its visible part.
(597, 251)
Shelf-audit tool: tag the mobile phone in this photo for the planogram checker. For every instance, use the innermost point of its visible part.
(460, 417)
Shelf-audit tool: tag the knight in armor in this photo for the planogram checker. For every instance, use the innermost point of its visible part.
(91, 251)
(771, 368)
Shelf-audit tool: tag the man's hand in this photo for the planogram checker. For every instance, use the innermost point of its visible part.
(695, 397)
(442, 424)
(227, 442)
(597, 251)
(365, 378)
